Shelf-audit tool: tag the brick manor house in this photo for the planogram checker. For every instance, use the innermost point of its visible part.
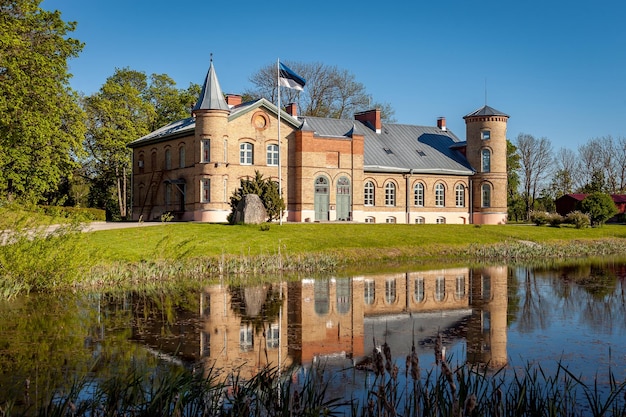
(358, 170)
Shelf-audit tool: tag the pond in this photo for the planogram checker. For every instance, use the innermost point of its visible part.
(492, 316)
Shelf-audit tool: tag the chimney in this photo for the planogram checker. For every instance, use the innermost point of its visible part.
(371, 117)
(292, 109)
(441, 123)
(233, 100)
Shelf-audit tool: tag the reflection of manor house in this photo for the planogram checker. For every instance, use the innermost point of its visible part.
(361, 170)
(247, 328)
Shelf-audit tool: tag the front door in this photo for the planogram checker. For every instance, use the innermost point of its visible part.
(321, 199)
(343, 198)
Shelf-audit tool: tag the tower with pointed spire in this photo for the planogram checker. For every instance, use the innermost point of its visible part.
(486, 153)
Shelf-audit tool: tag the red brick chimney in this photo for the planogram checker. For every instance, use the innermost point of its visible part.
(441, 123)
(233, 99)
(372, 117)
(292, 109)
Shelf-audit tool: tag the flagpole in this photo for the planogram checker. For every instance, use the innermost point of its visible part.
(280, 161)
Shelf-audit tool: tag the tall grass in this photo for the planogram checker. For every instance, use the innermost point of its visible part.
(445, 390)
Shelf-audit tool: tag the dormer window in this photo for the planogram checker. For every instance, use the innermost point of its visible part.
(485, 134)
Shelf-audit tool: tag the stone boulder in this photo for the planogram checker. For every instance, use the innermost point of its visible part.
(250, 210)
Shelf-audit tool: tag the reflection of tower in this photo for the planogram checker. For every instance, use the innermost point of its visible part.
(486, 334)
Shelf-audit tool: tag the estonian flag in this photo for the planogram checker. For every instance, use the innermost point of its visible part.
(288, 78)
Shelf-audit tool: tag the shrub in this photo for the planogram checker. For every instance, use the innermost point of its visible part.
(540, 218)
(555, 219)
(577, 218)
(599, 206)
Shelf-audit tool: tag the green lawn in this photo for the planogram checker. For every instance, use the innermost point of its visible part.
(352, 241)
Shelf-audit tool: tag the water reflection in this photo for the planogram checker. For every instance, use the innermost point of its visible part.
(495, 316)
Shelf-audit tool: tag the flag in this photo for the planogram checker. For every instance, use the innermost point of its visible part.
(288, 78)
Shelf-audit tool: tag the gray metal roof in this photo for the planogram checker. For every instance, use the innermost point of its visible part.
(211, 97)
(486, 111)
(399, 148)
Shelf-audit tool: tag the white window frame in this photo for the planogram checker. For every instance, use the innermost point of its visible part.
(272, 154)
(205, 190)
(440, 288)
(485, 134)
(440, 220)
(485, 160)
(369, 291)
(419, 295)
(418, 194)
(390, 194)
(420, 220)
(368, 194)
(460, 195)
(206, 151)
(440, 195)
(246, 153)
(460, 287)
(391, 293)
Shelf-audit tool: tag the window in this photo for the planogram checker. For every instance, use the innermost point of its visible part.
(181, 157)
(390, 194)
(419, 289)
(206, 151)
(420, 220)
(246, 338)
(321, 296)
(440, 220)
(486, 160)
(440, 289)
(273, 336)
(225, 151)
(390, 291)
(272, 155)
(168, 193)
(390, 220)
(370, 291)
(370, 220)
(225, 189)
(343, 295)
(418, 194)
(486, 195)
(245, 153)
(206, 190)
(168, 159)
(460, 287)
(485, 135)
(440, 200)
(459, 192)
(368, 194)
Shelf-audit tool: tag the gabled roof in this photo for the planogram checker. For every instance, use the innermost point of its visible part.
(486, 111)
(211, 96)
(186, 127)
(399, 148)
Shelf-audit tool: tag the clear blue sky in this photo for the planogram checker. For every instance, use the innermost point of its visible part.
(558, 68)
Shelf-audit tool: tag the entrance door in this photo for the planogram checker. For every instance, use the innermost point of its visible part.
(321, 199)
(343, 198)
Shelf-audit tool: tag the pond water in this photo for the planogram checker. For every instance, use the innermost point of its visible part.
(496, 316)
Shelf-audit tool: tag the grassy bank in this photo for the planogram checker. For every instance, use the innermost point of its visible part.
(171, 252)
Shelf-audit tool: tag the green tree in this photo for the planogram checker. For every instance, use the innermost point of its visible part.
(599, 207)
(596, 184)
(41, 123)
(170, 103)
(117, 114)
(515, 203)
(266, 189)
(329, 91)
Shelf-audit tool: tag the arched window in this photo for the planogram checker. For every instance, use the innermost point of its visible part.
(440, 192)
(390, 194)
(369, 290)
(486, 160)
(459, 192)
(181, 156)
(245, 153)
(419, 290)
(368, 194)
(440, 220)
(418, 194)
(420, 220)
(168, 159)
(486, 195)
(440, 289)
(390, 291)
(321, 294)
(272, 155)
(460, 287)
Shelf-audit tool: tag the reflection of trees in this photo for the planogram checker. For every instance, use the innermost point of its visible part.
(535, 307)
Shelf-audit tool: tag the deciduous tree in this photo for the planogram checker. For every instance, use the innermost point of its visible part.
(329, 91)
(536, 164)
(599, 206)
(41, 123)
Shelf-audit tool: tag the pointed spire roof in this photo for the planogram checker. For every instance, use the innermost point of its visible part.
(211, 96)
